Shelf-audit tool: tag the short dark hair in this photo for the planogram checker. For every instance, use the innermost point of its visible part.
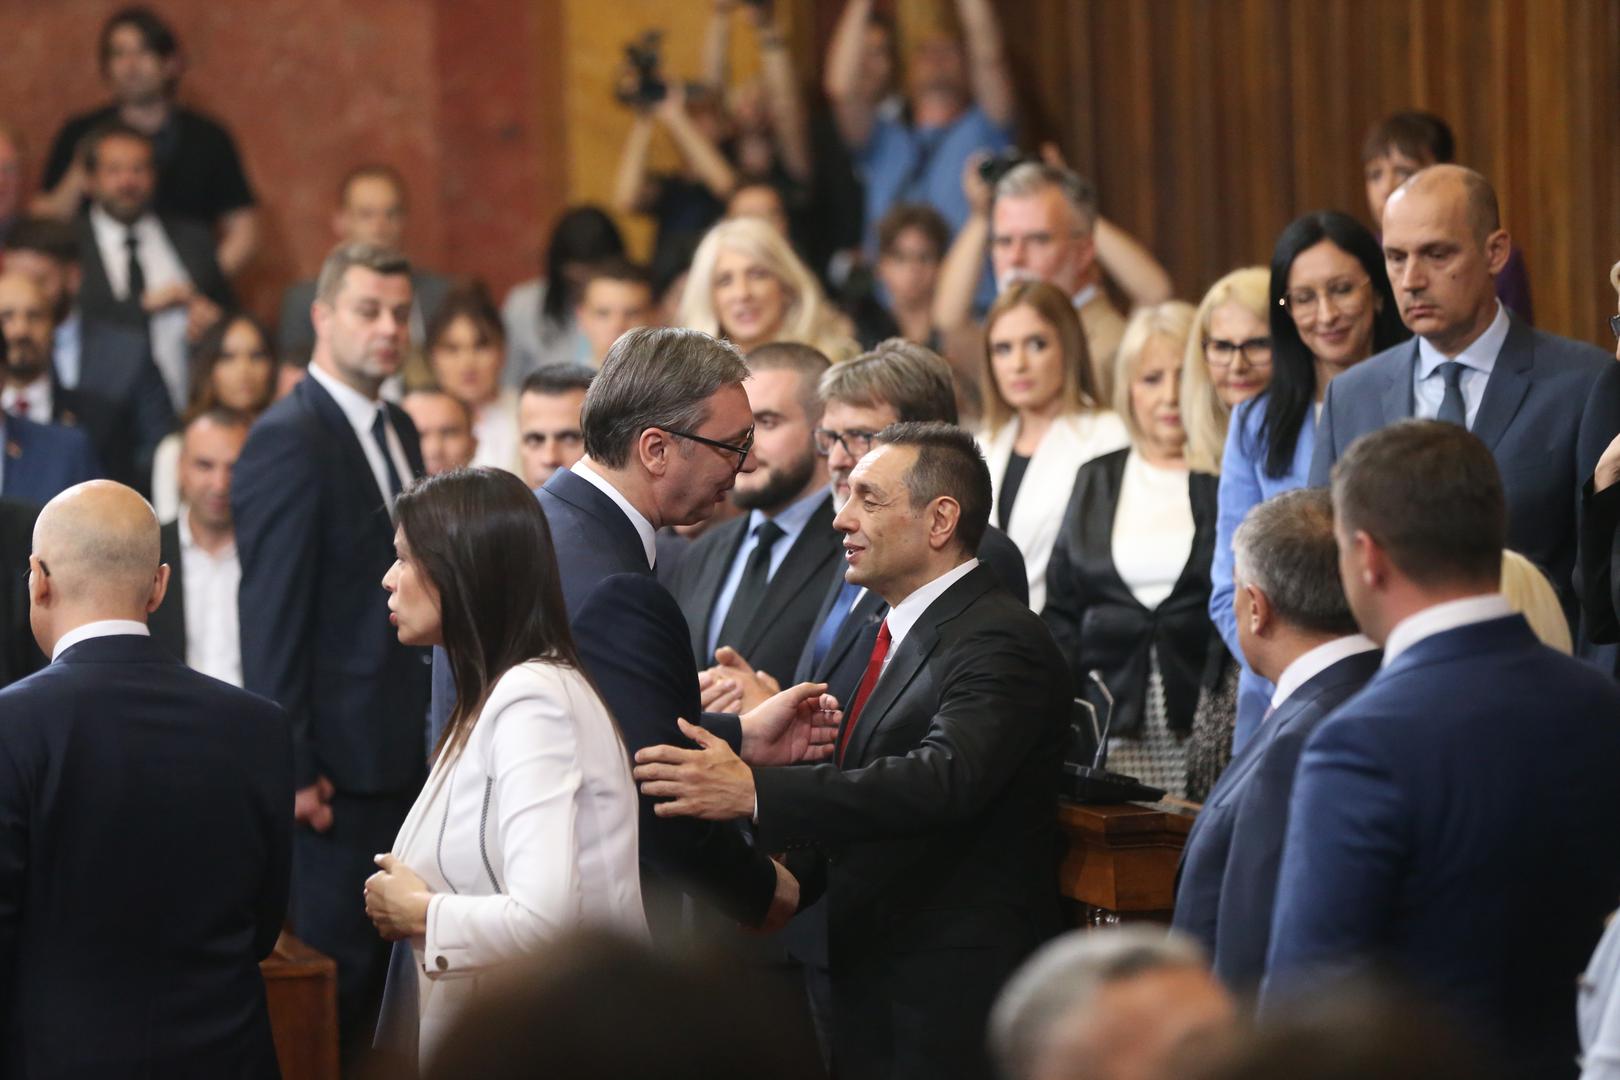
(1421, 136)
(46, 236)
(920, 216)
(584, 234)
(440, 392)
(616, 268)
(469, 300)
(111, 129)
(156, 35)
(949, 463)
(344, 257)
(1285, 548)
(654, 376)
(373, 171)
(1429, 493)
(553, 379)
(910, 378)
(805, 361)
(220, 416)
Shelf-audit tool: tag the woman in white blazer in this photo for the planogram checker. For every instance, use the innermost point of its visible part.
(526, 827)
(1043, 419)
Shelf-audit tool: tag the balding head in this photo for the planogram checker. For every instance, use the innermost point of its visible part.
(95, 557)
(1460, 187)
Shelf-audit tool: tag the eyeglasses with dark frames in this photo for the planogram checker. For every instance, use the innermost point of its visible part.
(1222, 353)
(855, 442)
(742, 449)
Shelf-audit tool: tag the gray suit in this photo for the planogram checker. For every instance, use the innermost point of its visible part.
(295, 333)
(1537, 418)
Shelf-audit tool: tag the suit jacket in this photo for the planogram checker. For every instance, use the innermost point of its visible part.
(1597, 583)
(937, 835)
(120, 401)
(19, 655)
(1228, 877)
(193, 243)
(168, 622)
(44, 460)
(119, 765)
(1099, 622)
(634, 644)
(1459, 819)
(315, 539)
(295, 333)
(1534, 418)
(773, 639)
(1037, 513)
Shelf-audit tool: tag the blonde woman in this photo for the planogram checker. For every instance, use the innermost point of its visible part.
(1228, 361)
(1527, 591)
(747, 286)
(1043, 418)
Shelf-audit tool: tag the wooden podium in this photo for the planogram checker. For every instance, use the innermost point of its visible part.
(1119, 859)
(301, 985)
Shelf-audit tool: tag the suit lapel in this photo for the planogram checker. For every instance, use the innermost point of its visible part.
(409, 441)
(331, 416)
(867, 612)
(808, 556)
(710, 576)
(1398, 402)
(584, 497)
(1508, 384)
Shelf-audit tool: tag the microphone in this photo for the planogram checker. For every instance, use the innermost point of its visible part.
(1094, 783)
(1100, 761)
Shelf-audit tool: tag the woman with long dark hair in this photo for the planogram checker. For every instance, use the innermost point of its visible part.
(526, 827)
(1331, 308)
(539, 313)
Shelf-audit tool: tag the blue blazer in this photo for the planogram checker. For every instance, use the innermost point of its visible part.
(1228, 877)
(634, 643)
(1245, 485)
(44, 460)
(1459, 819)
(120, 764)
(1539, 417)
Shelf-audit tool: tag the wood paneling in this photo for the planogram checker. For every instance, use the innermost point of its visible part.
(1209, 124)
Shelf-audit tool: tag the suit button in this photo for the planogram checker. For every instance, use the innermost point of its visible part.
(441, 963)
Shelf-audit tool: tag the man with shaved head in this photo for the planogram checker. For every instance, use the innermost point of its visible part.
(145, 844)
(1527, 394)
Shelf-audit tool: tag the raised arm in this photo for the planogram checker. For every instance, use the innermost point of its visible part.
(701, 155)
(853, 111)
(630, 184)
(789, 121)
(238, 239)
(717, 46)
(963, 264)
(1131, 265)
(987, 61)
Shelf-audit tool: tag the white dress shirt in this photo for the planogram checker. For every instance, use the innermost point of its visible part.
(792, 522)
(38, 396)
(1478, 361)
(1309, 665)
(1451, 615)
(65, 349)
(100, 628)
(904, 615)
(161, 266)
(649, 540)
(213, 635)
(361, 412)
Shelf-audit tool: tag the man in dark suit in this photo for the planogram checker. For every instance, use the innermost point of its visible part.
(1525, 393)
(43, 460)
(1458, 819)
(311, 496)
(19, 655)
(937, 823)
(1296, 629)
(751, 586)
(372, 209)
(144, 839)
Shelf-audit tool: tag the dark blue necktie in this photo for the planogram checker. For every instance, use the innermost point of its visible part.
(1452, 408)
(379, 432)
(834, 621)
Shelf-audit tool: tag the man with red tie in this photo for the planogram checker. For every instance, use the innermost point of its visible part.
(933, 831)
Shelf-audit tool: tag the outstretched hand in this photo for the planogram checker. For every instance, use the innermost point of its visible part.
(797, 724)
(710, 782)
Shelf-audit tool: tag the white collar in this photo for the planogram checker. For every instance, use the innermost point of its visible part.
(100, 628)
(360, 410)
(188, 543)
(1311, 663)
(1480, 354)
(649, 540)
(109, 229)
(904, 615)
(1450, 615)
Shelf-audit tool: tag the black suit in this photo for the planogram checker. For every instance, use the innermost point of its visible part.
(19, 655)
(773, 638)
(144, 854)
(193, 243)
(120, 401)
(1100, 623)
(168, 622)
(937, 835)
(314, 538)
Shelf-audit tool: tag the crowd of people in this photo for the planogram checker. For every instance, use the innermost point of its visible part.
(759, 588)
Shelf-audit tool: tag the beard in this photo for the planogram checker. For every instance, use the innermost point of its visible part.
(25, 361)
(780, 486)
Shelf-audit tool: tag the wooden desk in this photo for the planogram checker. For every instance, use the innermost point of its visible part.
(301, 985)
(1119, 859)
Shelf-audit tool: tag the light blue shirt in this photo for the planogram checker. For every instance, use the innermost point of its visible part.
(792, 522)
(65, 351)
(1478, 360)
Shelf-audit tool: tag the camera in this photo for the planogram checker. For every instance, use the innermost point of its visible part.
(993, 168)
(642, 85)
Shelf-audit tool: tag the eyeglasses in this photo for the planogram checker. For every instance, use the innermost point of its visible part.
(1614, 324)
(29, 572)
(1221, 353)
(1340, 296)
(855, 443)
(742, 449)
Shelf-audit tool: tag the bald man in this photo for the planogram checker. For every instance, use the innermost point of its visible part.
(145, 840)
(1526, 393)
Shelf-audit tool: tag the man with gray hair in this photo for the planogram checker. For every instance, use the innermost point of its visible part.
(1129, 1003)
(145, 845)
(1296, 630)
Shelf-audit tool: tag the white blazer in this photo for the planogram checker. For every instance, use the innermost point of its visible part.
(529, 832)
(1038, 506)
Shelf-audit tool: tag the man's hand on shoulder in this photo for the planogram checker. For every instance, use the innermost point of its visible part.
(710, 782)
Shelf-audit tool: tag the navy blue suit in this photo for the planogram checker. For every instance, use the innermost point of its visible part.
(44, 460)
(145, 837)
(1228, 879)
(1459, 819)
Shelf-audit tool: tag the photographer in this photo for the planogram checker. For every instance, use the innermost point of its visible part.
(771, 140)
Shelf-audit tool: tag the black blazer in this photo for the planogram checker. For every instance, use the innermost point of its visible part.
(193, 242)
(774, 637)
(1228, 878)
(1100, 624)
(120, 401)
(633, 641)
(937, 836)
(314, 538)
(19, 655)
(168, 622)
(145, 850)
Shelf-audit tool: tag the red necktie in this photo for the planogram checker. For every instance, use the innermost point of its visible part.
(20, 407)
(874, 668)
